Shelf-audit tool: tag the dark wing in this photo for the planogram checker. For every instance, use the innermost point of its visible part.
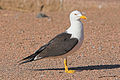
(31, 57)
(59, 45)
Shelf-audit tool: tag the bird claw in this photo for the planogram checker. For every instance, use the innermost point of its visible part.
(70, 71)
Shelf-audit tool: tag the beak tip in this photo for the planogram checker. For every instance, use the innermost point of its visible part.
(83, 17)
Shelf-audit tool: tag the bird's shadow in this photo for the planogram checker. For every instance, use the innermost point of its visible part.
(93, 67)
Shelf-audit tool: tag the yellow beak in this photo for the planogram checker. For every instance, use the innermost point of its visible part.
(83, 17)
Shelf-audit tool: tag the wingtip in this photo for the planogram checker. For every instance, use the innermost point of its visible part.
(20, 63)
(31, 57)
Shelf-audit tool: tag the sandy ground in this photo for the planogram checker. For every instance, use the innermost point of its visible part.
(98, 58)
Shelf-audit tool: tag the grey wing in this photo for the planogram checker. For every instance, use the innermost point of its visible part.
(59, 45)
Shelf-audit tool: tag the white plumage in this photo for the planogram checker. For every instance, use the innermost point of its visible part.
(63, 44)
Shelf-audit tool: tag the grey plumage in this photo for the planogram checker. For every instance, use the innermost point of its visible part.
(59, 45)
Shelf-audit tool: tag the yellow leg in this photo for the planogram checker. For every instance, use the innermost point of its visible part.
(66, 68)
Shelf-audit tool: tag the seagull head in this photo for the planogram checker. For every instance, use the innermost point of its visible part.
(76, 16)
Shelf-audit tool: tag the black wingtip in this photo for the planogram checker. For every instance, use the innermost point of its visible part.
(29, 60)
(32, 57)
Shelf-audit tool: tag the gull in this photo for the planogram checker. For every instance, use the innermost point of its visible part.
(63, 44)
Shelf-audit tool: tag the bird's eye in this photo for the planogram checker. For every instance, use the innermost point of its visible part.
(75, 14)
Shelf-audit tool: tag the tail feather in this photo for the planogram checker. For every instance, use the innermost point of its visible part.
(32, 57)
(29, 58)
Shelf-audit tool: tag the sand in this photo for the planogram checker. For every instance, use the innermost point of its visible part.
(21, 34)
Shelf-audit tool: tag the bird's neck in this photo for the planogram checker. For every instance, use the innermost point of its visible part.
(76, 29)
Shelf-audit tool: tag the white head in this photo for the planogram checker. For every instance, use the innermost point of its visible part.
(76, 16)
(76, 28)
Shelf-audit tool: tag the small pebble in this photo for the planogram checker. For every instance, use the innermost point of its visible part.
(100, 48)
(42, 15)
(100, 6)
(113, 47)
(93, 47)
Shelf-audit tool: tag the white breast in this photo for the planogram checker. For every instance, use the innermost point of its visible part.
(77, 31)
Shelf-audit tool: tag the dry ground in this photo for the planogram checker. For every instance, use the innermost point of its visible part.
(98, 58)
